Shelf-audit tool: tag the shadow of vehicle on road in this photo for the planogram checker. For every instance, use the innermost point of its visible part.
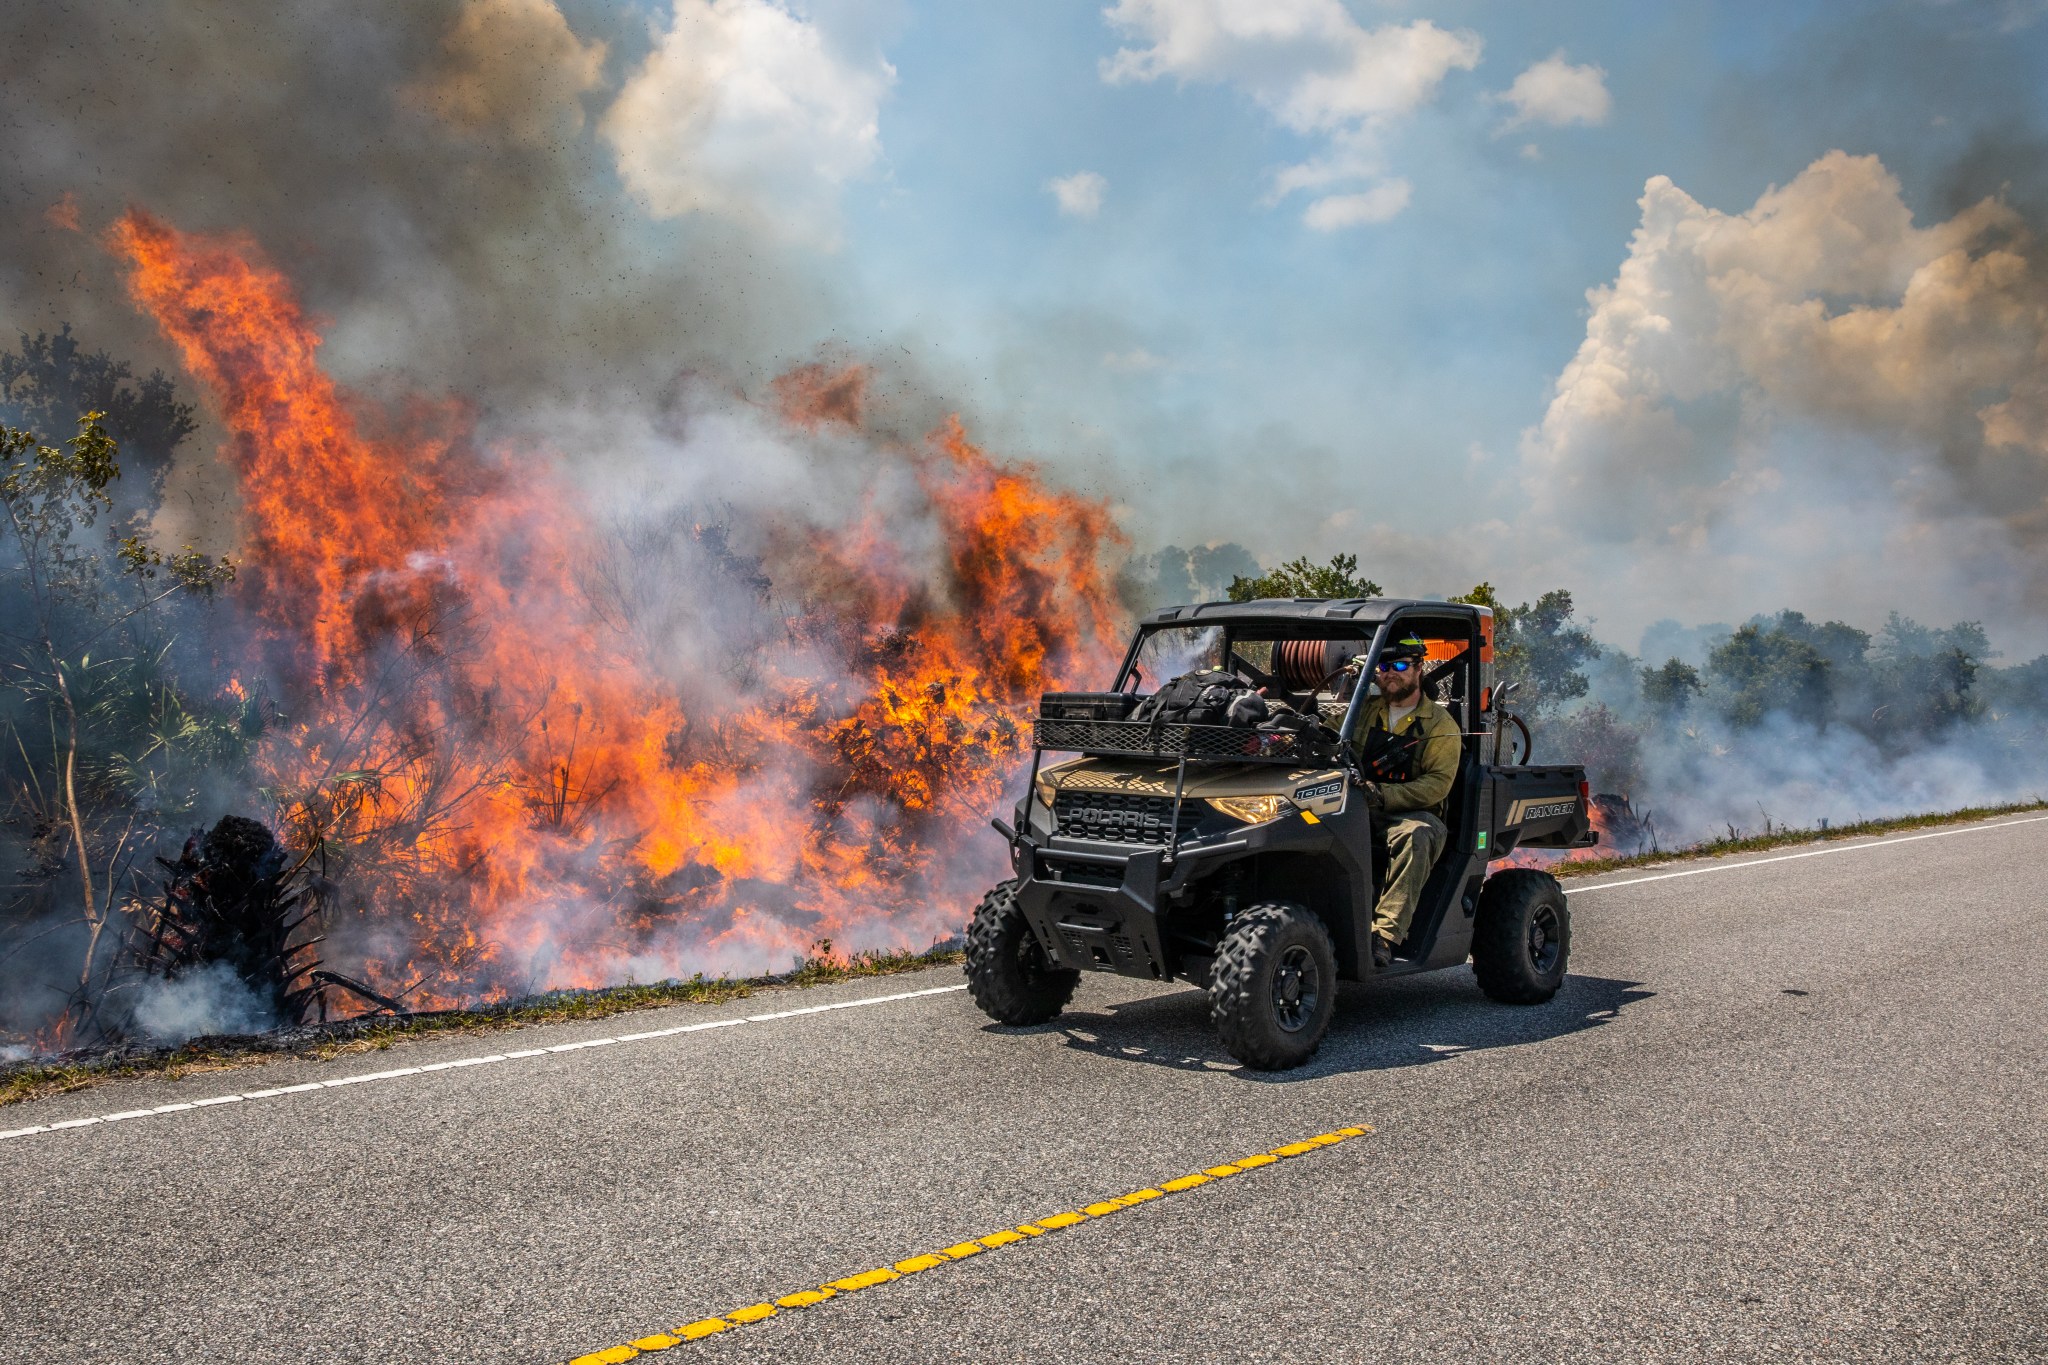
(1411, 1021)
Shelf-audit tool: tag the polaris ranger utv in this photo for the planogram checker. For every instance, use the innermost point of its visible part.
(1241, 856)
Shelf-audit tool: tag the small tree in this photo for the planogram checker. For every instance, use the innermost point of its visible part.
(1299, 578)
(1537, 645)
(1760, 671)
(51, 379)
(1670, 688)
(69, 586)
(1924, 680)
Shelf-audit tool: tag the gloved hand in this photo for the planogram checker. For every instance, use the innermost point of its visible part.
(1375, 799)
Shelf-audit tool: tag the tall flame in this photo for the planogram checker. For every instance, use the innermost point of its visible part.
(516, 795)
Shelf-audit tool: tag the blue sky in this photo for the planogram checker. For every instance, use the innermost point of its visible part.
(1352, 343)
(1476, 290)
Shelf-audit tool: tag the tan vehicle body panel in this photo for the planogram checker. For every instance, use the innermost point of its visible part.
(1149, 777)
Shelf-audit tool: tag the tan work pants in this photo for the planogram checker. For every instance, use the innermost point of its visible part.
(1414, 839)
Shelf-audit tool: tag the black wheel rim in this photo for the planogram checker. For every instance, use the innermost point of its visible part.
(1546, 940)
(1297, 987)
(1031, 962)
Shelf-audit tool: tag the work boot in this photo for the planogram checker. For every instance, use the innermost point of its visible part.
(1382, 951)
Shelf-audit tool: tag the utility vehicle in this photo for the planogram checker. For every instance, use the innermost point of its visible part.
(1243, 857)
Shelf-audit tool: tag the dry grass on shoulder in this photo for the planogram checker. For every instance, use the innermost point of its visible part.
(377, 1033)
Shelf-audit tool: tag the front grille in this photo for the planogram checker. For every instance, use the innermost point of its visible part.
(1121, 817)
(1079, 874)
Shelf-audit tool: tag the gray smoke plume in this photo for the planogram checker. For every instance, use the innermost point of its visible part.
(1818, 390)
(428, 172)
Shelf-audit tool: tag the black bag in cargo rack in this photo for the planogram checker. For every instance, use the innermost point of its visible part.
(1202, 698)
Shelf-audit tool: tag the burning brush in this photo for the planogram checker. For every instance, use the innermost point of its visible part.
(516, 789)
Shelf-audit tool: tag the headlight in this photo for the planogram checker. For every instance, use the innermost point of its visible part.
(1253, 810)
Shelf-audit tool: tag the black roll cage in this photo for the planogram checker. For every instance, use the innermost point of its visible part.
(1233, 631)
(1466, 658)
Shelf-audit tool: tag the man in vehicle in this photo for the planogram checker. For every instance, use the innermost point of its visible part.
(1414, 805)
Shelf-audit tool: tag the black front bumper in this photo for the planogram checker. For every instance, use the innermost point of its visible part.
(1098, 907)
(1097, 910)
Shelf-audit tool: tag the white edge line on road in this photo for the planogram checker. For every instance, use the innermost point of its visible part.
(1810, 853)
(559, 1048)
(372, 1076)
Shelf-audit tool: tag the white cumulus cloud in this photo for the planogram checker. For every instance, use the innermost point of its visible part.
(1079, 194)
(1555, 92)
(1315, 69)
(1375, 205)
(744, 110)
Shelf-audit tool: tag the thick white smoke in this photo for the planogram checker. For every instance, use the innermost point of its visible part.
(209, 1000)
(1813, 402)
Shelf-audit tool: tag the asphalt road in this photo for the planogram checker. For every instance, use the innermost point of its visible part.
(1792, 1109)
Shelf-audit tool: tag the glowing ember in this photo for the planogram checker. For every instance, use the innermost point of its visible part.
(512, 793)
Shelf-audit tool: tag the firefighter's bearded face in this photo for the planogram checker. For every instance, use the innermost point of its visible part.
(1400, 679)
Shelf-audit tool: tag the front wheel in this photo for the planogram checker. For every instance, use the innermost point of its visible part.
(1007, 971)
(1523, 937)
(1273, 989)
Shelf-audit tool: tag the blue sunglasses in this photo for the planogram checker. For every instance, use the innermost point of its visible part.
(1397, 665)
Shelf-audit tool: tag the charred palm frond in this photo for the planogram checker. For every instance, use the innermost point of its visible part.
(236, 896)
(1623, 829)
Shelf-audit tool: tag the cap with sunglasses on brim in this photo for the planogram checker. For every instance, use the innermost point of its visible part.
(1407, 649)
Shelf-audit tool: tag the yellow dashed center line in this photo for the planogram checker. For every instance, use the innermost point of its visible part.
(959, 1251)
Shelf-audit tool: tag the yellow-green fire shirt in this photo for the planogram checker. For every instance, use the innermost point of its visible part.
(1436, 765)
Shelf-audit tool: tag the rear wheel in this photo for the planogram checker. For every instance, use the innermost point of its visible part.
(1522, 939)
(1273, 988)
(1008, 973)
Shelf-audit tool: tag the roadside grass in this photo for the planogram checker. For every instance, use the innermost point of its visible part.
(1785, 838)
(376, 1033)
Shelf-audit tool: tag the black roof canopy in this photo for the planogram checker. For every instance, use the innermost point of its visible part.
(1362, 612)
